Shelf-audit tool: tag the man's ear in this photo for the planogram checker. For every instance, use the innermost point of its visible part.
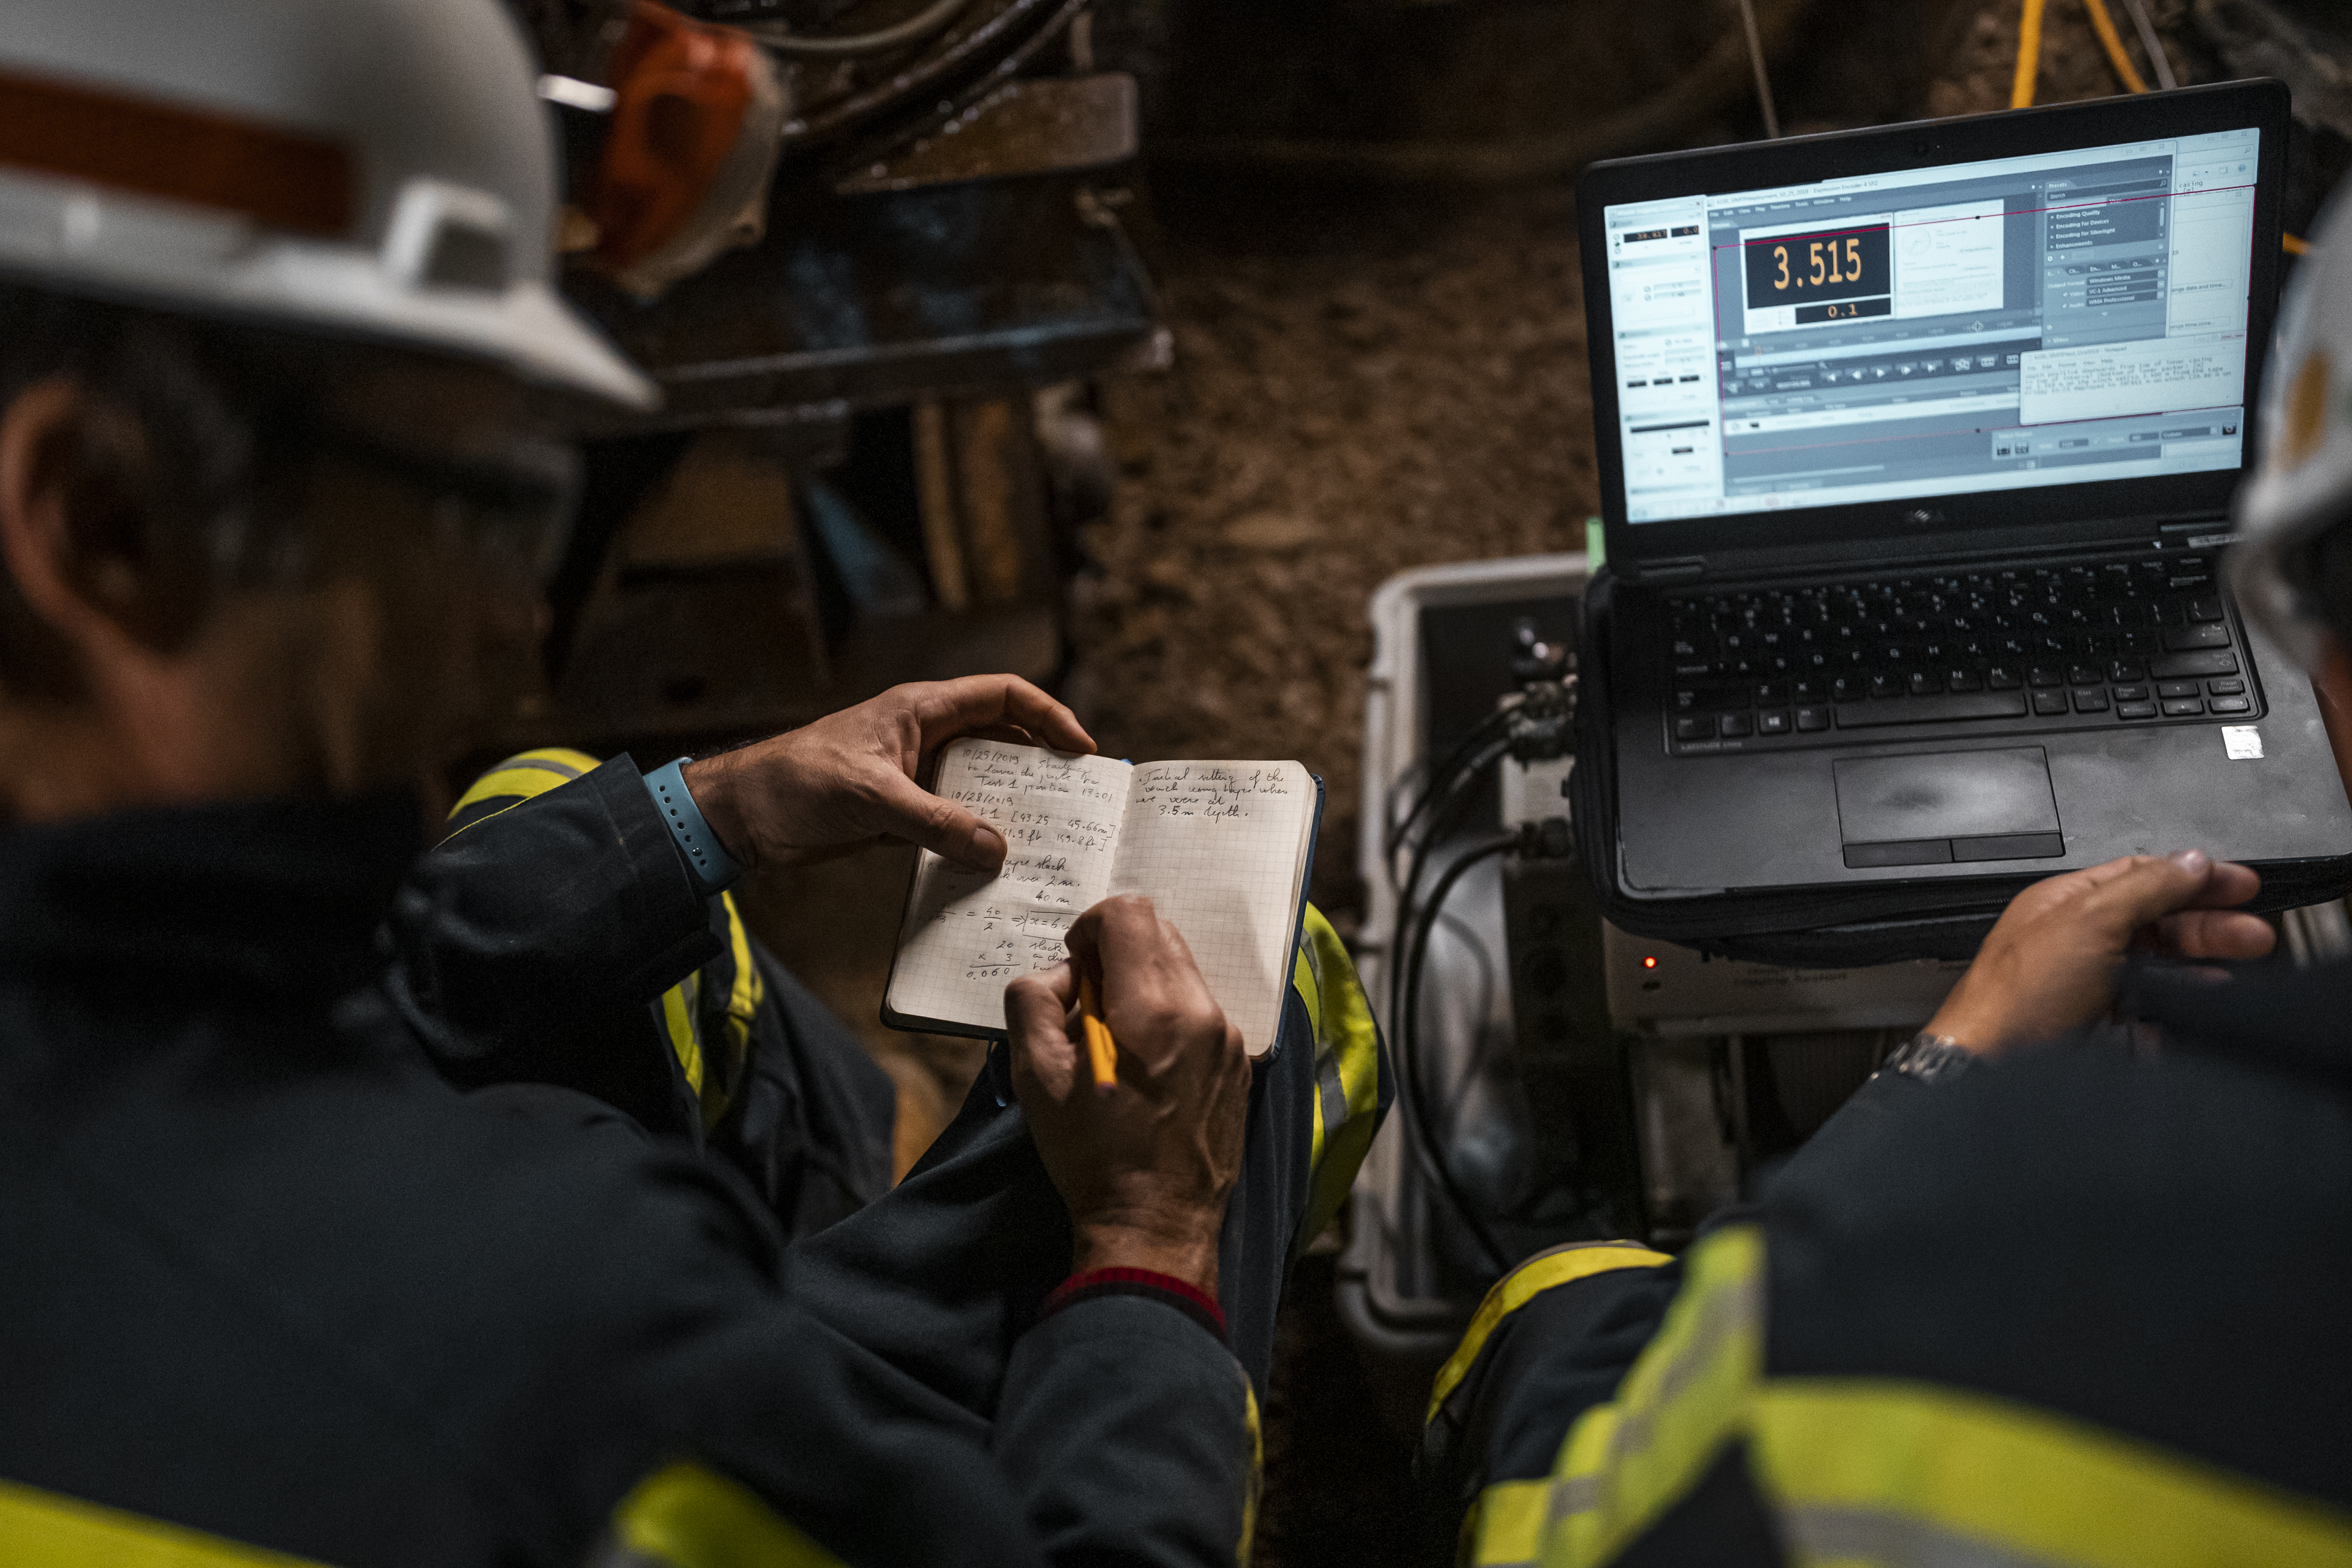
(80, 536)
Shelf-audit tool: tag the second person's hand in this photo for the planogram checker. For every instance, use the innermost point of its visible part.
(2050, 963)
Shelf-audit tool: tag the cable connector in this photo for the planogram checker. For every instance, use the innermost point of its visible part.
(1550, 839)
(1542, 725)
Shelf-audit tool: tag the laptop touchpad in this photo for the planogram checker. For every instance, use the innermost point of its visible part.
(1943, 807)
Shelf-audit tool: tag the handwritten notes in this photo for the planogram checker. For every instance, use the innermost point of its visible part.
(1209, 789)
(1060, 818)
(1220, 848)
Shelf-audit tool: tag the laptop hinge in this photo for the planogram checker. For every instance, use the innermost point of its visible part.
(1677, 569)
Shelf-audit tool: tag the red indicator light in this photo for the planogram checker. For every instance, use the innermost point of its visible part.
(1649, 964)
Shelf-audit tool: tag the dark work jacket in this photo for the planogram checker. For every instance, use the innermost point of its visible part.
(525, 946)
(521, 955)
(2071, 1305)
(265, 1275)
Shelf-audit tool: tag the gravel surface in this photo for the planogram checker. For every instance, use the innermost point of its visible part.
(1359, 389)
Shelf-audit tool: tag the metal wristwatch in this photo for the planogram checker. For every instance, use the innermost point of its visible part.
(1929, 1057)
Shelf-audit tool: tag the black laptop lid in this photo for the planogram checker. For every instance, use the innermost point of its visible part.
(1995, 333)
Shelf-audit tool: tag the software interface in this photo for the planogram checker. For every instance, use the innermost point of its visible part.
(2047, 319)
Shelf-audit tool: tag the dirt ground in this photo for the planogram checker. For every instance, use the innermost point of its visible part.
(1364, 383)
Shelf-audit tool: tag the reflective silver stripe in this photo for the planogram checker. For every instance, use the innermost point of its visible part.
(1892, 1541)
(1724, 1313)
(1331, 1092)
(543, 762)
(1574, 1494)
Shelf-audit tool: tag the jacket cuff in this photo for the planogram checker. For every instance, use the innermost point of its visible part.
(1190, 1299)
(661, 894)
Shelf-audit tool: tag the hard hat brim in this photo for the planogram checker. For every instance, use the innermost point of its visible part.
(200, 262)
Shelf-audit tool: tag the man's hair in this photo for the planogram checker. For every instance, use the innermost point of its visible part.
(198, 428)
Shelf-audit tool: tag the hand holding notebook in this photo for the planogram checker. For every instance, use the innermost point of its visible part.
(1221, 848)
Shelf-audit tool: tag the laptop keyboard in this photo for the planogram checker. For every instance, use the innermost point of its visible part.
(2141, 641)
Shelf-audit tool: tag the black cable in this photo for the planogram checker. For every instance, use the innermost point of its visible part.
(839, 46)
(1438, 777)
(1482, 1048)
(1458, 794)
(1407, 1032)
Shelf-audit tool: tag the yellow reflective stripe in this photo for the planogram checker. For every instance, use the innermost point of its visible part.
(521, 783)
(1346, 1067)
(1306, 979)
(1624, 1464)
(1508, 1523)
(743, 998)
(1545, 1271)
(558, 757)
(1870, 1464)
(1303, 981)
(519, 778)
(678, 1019)
(1256, 1472)
(687, 1517)
(745, 991)
(44, 1530)
(527, 774)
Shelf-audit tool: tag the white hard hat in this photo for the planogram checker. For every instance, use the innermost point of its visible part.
(2302, 483)
(378, 167)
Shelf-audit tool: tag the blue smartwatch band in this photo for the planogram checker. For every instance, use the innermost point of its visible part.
(714, 870)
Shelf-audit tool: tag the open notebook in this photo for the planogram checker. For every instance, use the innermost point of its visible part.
(1220, 849)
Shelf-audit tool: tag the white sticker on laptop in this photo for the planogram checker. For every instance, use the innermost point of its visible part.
(2243, 742)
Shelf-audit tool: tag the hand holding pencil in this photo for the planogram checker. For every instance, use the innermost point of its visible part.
(1145, 1158)
(1102, 1051)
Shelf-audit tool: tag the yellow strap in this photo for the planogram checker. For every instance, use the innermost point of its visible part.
(686, 1517)
(43, 1530)
(1545, 1271)
(1851, 1462)
(2112, 41)
(2029, 55)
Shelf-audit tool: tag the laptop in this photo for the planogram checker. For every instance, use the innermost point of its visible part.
(1917, 446)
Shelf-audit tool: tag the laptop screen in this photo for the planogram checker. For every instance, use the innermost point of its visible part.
(2051, 319)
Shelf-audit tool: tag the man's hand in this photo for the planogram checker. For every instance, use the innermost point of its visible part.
(2050, 962)
(1145, 1165)
(849, 778)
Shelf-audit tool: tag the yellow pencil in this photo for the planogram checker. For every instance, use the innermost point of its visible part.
(1100, 1048)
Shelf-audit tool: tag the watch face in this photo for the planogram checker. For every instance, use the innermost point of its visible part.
(1928, 1056)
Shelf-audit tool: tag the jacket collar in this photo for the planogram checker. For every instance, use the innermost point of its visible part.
(275, 903)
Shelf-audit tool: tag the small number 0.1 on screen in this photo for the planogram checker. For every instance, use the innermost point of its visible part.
(1817, 267)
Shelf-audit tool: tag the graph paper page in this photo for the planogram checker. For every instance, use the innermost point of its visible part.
(967, 933)
(1220, 848)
